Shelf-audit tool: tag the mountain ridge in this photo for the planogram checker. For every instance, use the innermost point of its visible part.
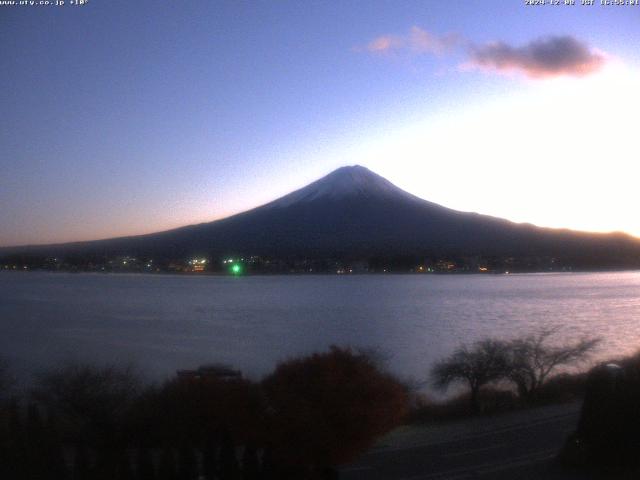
(354, 213)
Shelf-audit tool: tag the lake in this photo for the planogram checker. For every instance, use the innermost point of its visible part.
(168, 322)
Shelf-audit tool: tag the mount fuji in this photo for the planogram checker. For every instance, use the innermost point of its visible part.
(354, 213)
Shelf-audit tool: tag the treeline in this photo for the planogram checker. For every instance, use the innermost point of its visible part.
(310, 415)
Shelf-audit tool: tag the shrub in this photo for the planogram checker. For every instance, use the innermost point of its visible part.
(197, 408)
(607, 433)
(328, 408)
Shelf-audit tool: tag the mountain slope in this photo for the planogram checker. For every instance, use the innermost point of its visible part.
(355, 213)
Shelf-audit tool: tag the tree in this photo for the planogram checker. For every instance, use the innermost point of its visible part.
(167, 467)
(531, 359)
(187, 462)
(229, 469)
(209, 457)
(483, 363)
(7, 381)
(92, 400)
(250, 463)
(81, 463)
(327, 408)
(144, 464)
(195, 408)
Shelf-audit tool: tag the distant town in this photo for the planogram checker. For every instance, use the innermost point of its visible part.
(248, 265)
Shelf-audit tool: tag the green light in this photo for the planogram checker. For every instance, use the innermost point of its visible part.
(236, 269)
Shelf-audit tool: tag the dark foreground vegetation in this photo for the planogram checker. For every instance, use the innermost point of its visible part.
(606, 440)
(520, 373)
(309, 415)
(500, 375)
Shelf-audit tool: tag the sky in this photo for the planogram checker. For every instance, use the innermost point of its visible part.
(128, 117)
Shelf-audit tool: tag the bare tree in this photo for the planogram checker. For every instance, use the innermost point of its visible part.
(483, 363)
(93, 399)
(531, 359)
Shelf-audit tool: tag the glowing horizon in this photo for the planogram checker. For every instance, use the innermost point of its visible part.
(558, 155)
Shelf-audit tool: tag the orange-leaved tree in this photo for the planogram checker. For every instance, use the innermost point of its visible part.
(329, 407)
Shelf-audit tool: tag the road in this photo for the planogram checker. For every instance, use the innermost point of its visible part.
(519, 445)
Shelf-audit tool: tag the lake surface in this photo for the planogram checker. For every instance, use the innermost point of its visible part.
(165, 322)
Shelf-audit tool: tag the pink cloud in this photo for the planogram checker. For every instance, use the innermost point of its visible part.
(384, 43)
(422, 41)
(416, 40)
(546, 57)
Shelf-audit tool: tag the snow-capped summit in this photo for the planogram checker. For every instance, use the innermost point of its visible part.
(344, 182)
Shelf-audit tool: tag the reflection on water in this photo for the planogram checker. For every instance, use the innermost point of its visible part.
(165, 322)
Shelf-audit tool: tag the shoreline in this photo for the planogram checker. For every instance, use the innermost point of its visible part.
(320, 274)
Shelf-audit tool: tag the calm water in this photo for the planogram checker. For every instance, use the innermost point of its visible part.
(164, 322)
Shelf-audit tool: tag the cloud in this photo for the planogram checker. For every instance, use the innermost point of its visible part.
(384, 44)
(546, 57)
(416, 40)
